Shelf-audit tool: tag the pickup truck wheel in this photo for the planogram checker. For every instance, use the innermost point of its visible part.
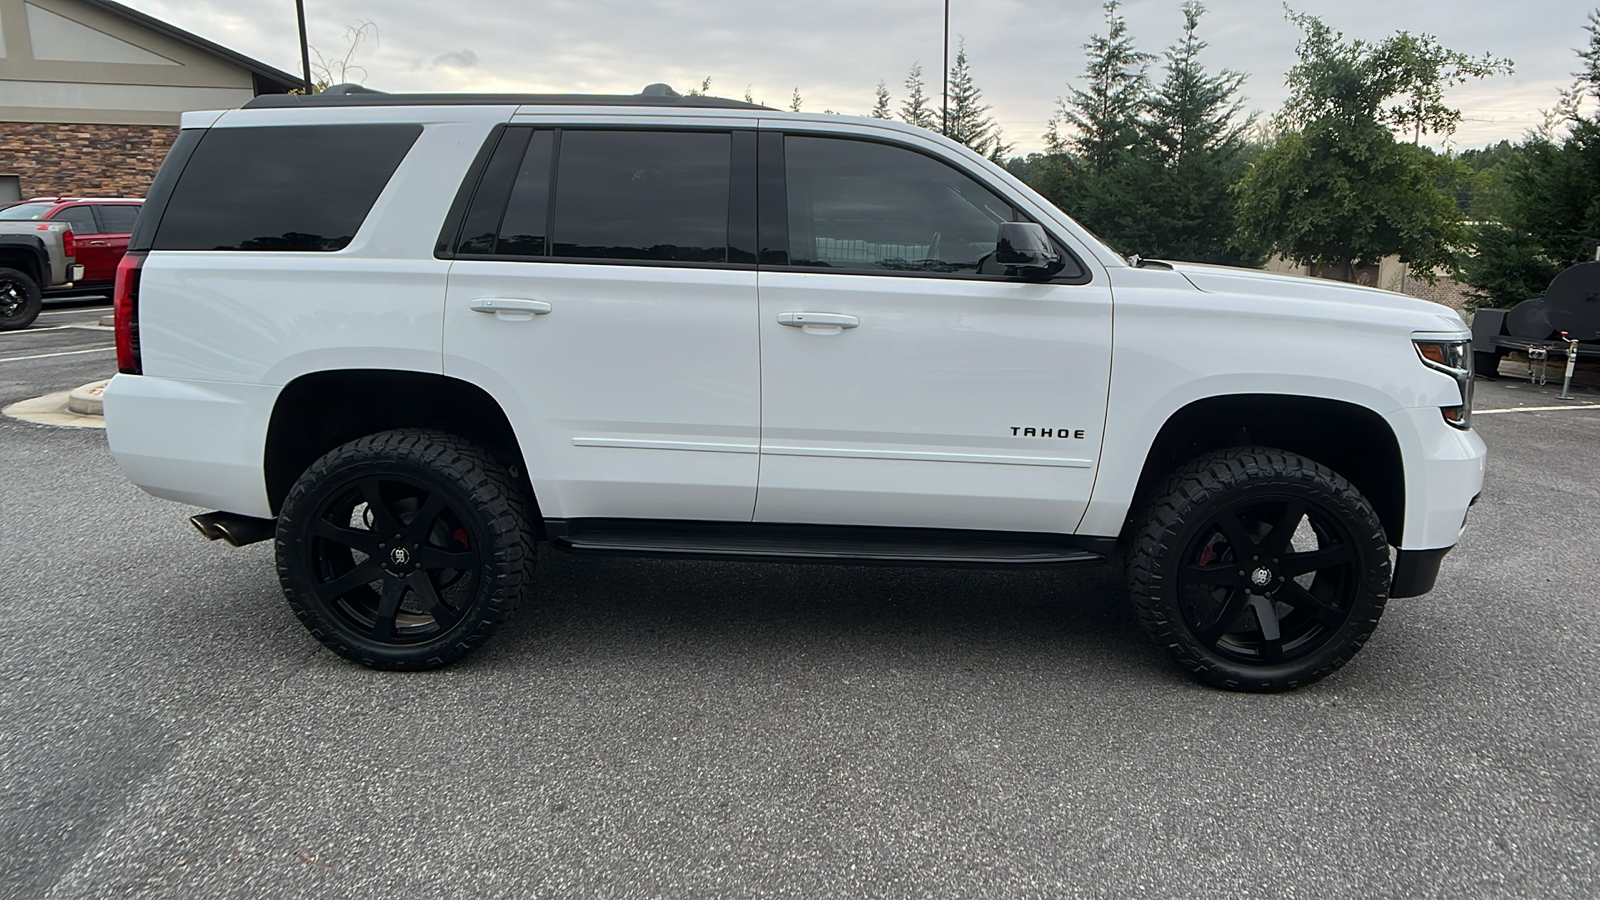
(404, 549)
(20, 300)
(1258, 569)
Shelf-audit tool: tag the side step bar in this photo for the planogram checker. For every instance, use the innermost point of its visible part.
(841, 544)
(235, 529)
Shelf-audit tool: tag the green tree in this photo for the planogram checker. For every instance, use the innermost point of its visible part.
(794, 101)
(915, 110)
(1336, 191)
(1105, 114)
(880, 109)
(969, 122)
(1540, 210)
(1192, 154)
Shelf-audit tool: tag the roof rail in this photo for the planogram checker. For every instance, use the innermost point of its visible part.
(358, 95)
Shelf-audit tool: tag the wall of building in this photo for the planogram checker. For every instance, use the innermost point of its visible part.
(65, 61)
(63, 160)
(1391, 275)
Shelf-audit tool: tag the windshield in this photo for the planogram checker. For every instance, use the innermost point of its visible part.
(25, 211)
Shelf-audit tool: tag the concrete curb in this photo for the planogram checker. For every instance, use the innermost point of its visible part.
(108, 321)
(85, 401)
(80, 408)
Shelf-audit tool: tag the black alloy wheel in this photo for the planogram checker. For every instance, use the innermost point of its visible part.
(405, 549)
(20, 300)
(1259, 569)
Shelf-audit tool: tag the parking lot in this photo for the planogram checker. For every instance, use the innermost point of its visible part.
(674, 729)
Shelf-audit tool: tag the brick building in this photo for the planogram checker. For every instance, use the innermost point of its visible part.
(91, 91)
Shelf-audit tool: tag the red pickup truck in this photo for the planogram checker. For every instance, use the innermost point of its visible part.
(101, 228)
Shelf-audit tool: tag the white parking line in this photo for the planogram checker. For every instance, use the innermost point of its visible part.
(1490, 412)
(48, 355)
(27, 331)
(77, 311)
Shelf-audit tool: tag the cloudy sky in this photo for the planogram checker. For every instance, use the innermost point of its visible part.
(1024, 53)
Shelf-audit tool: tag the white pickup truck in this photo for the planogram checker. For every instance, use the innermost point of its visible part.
(413, 337)
(33, 256)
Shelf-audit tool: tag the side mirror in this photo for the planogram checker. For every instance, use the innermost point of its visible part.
(1025, 247)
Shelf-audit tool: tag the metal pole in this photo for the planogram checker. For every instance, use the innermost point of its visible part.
(1572, 363)
(305, 48)
(944, 75)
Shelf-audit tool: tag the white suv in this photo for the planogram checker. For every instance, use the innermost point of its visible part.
(412, 336)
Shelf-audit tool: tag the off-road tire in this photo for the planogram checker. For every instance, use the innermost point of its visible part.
(20, 300)
(1339, 616)
(484, 510)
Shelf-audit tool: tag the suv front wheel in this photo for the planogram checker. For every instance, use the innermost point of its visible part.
(1259, 569)
(404, 549)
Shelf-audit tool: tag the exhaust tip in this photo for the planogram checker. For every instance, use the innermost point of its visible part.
(237, 530)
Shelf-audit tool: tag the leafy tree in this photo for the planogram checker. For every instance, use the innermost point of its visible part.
(880, 110)
(1336, 190)
(703, 90)
(969, 122)
(915, 110)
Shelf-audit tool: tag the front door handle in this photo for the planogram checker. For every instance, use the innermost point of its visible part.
(510, 309)
(818, 322)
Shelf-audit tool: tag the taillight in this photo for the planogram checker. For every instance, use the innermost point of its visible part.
(125, 300)
(69, 243)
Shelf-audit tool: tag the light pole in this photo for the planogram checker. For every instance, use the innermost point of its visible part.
(305, 49)
(944, 75)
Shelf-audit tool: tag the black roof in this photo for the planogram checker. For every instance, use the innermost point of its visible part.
(267, 79)
(356, 95)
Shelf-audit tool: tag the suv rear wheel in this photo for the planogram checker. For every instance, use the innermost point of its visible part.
(1258, 569)
(404, 549)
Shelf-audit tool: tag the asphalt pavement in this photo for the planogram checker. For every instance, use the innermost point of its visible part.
(671, 729)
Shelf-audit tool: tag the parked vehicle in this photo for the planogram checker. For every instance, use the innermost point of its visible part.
(410, 337)
(101, 227)
(34, 255)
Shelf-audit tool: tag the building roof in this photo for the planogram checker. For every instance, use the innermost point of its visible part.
(267, 79)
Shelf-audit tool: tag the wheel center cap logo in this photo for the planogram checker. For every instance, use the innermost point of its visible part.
(1261, 577)
(400, 556)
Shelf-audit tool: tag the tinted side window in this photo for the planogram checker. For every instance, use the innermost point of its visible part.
(118, 218)
(643, 195)
(523, 230)
(79, 218)
(863, 205)
(300, 187)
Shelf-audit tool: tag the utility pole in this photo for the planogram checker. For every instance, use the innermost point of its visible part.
(305, 49)
(944, 75)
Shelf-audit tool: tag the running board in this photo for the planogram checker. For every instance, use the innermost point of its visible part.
(825, 544)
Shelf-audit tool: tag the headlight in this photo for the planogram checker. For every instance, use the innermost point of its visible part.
(1454, 358)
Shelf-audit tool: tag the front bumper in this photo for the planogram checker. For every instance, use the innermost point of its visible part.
(1444, 471)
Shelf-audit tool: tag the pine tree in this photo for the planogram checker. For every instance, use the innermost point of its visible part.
(1193, 112)
(794, 101)
(880, 110)
(1106, 114)
(1192, 155)
(915, 110)
(968, 122)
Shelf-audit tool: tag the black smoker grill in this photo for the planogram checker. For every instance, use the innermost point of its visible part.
(1543, 327)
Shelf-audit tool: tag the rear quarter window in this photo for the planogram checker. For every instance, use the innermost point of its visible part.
(284, 188)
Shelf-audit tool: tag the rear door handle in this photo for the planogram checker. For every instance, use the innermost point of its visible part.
(818, 322)
(510, 309)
